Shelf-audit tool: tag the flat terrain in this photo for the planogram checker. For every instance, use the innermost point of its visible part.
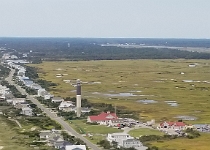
(158, 83)
(144, 131)
(9, 139)
(97, 132)
(127, 81)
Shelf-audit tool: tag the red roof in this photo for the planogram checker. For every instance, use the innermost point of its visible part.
(103, 116)
(179, 124)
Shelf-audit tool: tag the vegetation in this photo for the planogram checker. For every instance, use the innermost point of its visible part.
(147, 79)
(4, 71)
(13, 89)
(144, 131)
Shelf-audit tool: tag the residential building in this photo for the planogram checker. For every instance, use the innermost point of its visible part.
(118, 137)
(66, 106)
(27, 111)
(173, 125)
(75, 147)
(83, 110)
(57, 99)
(132, 143)
(15, 101)
(115, 122)
(103, 118)
(35, 86)
(54, 138)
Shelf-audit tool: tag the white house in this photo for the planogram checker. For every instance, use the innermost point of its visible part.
(132, 143)
(57, 99)
(75, 147)
(118, 137)
(27, 111)
(42, 92)
(15, 101)
(66, 106)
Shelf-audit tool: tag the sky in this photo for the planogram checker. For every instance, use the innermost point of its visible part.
(105, 18)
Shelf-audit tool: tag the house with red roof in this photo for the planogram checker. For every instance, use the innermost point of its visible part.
(173, 125)
(103, 118)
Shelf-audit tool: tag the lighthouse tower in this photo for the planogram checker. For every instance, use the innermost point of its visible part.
(78, 103)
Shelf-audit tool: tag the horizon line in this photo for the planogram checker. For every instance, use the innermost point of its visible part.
(101, 37)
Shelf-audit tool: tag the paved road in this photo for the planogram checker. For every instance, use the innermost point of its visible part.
(53, 116)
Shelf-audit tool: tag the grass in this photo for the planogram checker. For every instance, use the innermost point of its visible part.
(158, 80)
(152, 77)
(9, 138)
(144, 131)
(98, 132)
(201, 143)
(81, 127)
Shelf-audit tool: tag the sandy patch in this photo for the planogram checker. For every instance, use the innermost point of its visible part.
(1, 147)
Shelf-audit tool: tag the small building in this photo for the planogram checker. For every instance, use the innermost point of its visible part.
(15, 101)
(66, 106)
(118, 137)
(35, 86)
(103, 118)
(115, 122)
(75, 147)
(57, 99)
(27, 111)
(129, 143)
(173, 125)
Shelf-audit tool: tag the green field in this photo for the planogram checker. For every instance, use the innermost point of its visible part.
(159, 80)
(144, 131)
(98, 132)
(9, 139)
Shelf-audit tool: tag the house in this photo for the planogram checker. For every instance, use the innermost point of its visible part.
(35, 86)
(173, 125)
(42, 92)
(54, 138)
(115, 122)
(28, 83)
(129, 143)
(75, 147)
(61, 144)
(83, 110)
(57, 99)
(48, 96)
(66, 106)
(118, 137)
(103, 118)
(22, 105)
(15, 101)
(27, 111)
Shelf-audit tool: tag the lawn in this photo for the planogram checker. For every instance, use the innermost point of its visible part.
(159, 80)
(83, 128)
(9, 138)
(144, 131)
(98, 132)
(201, 143)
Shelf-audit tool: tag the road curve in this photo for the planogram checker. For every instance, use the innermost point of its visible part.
(53, 116)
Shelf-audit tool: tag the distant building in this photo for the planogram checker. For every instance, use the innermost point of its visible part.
(66, 106)
(129, 143)
(173, 125)
(102, 118)
(27, 111)
(118, 137)
(75, 147)
(57, 99)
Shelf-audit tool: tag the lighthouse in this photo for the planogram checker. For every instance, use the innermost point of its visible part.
(78, 103)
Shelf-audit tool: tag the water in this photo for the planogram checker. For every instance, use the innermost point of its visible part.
(147, 101)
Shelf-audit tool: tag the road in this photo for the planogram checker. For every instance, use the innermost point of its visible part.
(53, 116)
